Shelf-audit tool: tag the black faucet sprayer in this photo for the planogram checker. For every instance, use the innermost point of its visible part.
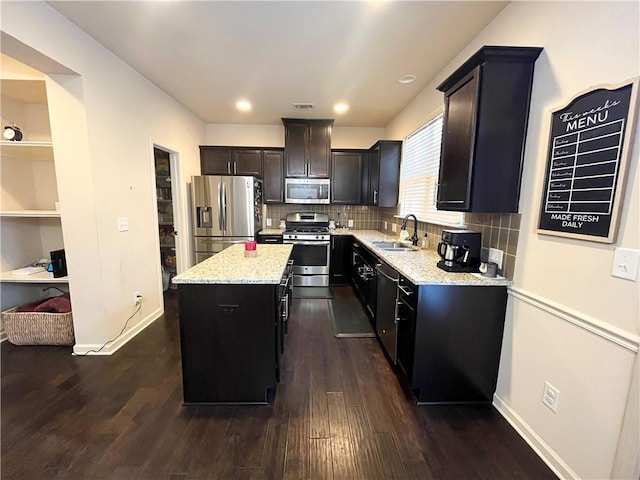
(414, 238)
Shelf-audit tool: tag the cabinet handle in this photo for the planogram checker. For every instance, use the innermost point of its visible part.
(436, 191)
(229, 168)
(235, 168)
(405, 291)
(375, 197)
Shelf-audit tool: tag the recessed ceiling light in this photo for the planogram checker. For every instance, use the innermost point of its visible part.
(340, 107)
(407, 79)
(243, 105)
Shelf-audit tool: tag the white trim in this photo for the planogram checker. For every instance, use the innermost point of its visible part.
(602, 329)
(3, 336)
(544, 451)
(83, 349)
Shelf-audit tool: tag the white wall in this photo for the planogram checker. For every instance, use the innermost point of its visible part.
(103, 122)
(273, 136)
(568, 321)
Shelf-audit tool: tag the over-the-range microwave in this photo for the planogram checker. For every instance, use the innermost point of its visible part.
(307, 190)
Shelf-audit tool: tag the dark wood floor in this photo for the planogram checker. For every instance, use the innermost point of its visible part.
(339, 413)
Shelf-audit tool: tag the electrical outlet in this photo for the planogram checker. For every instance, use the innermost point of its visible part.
(137, 298)
(394, 227)
(350, 223)
(551, 396)
(268, 222)
(123, 224)
(495, 255)
(385, 225)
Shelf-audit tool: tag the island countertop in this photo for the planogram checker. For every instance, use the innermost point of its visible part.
(231, 267)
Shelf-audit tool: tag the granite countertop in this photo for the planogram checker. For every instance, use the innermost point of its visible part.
(419, 267)
(231, 267)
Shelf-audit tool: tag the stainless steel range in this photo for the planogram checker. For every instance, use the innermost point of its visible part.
(309, 234)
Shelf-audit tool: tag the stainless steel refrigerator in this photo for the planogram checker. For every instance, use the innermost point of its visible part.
(226, 210)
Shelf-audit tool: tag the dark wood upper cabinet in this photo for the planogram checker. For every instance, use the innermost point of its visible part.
(383, 173)
(216, 160)
(485, 124)
(307, 151)
(273, 175)
(346, 175)
(247, 162)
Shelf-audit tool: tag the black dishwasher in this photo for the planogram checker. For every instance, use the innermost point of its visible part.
(386, 311)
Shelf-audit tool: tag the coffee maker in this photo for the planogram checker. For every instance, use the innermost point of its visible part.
(460, 250)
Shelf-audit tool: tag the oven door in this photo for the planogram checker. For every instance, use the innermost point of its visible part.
(310, 262)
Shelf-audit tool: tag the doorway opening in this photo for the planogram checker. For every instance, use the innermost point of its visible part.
(166, 222)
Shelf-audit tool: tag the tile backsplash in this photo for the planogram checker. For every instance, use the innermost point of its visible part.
(499, 230)
(364, 217)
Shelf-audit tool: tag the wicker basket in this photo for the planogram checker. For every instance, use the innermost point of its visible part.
(38, 328)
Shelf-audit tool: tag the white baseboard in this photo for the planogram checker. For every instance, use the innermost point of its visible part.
(3, 336)
(89, 349)
(544, 451)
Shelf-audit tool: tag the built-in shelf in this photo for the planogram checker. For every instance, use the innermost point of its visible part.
(30, 213)
(36, 151)
(40, 277)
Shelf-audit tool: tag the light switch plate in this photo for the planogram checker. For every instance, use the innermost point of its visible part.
(394, 227)
(350, 223)
(495, 255)
(625, 263)
(268, 222)
(123, 224)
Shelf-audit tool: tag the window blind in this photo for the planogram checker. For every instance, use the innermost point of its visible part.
(420, 165)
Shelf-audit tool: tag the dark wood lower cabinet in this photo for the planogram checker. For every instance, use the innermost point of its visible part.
(340, 260)
(269, 238)
(228, 338)
(449, 342)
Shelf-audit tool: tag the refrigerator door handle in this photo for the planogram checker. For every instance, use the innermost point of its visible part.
(220, 205)
(224, 206)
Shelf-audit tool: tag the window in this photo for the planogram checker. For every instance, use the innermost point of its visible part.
(420, 165)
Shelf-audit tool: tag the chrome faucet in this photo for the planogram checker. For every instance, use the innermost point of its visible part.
(414, 238)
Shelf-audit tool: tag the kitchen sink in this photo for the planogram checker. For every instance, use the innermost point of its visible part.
(393, 246)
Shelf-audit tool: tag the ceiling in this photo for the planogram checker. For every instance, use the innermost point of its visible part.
(209, 54)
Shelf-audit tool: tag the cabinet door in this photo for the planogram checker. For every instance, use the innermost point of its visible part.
(273, 170)
(456, 161)
(319, 151)
(346, 174)
(374, 176)
(247, 162)
(388, 177)
(406, 340)
(296, 149)
(215, 161)
(340, 262)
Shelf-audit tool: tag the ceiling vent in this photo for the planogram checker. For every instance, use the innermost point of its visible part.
(303, 106)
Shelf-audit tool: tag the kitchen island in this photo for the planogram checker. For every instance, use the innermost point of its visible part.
(230, 326)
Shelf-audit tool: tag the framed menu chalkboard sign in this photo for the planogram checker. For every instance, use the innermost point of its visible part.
(589, 150)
